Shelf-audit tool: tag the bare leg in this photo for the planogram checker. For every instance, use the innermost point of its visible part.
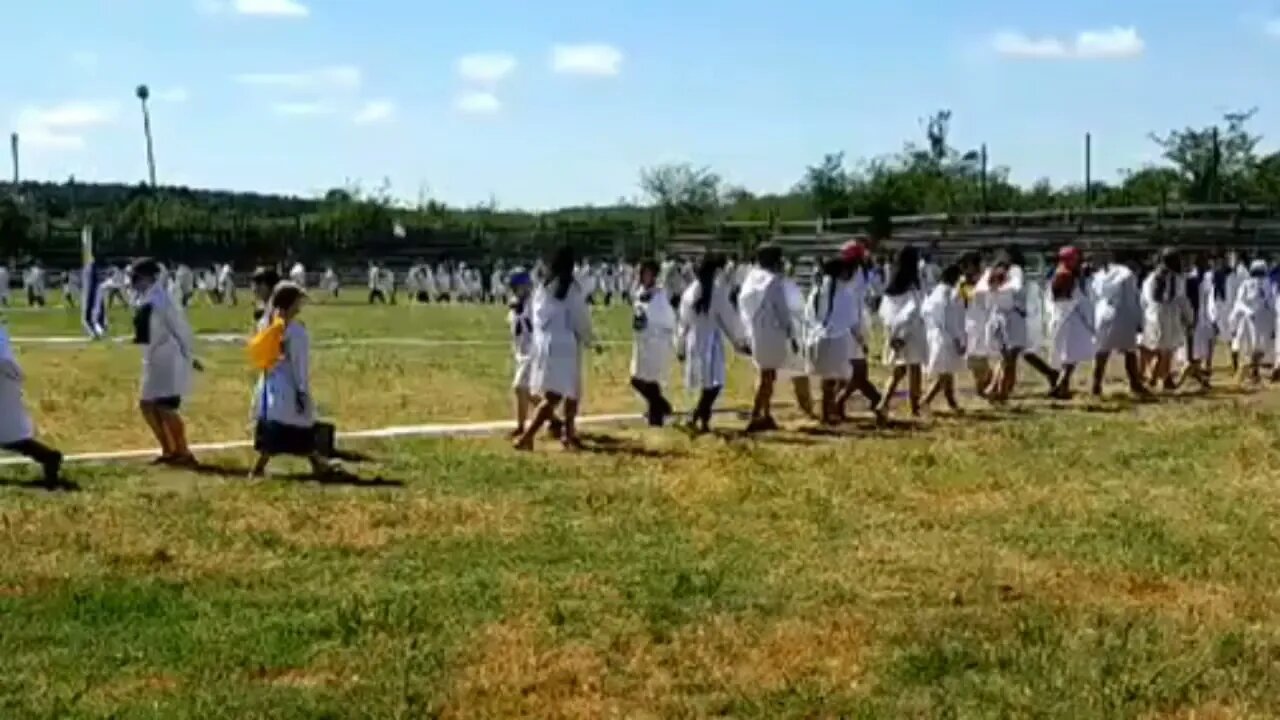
(804, 395)
(571, 440)
(949, 392)
(1133, 369)
(1062, 391)
(150, 413)
(260, 466)
(915, 381)
(1042, 367)
(546, 410)
(522, 411)
(760, 409)
(1099, 371)
(935, 389)
(177, 430)
(886, 398)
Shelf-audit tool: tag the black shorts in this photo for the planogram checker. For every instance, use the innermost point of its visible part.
(274, 438)
(173, 402)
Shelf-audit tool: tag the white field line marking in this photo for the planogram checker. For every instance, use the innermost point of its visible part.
(397, 431)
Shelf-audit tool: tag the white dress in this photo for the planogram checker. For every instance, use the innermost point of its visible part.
(944, 321)
(654, 323)
(767, 317)
(561, 328)
(860, 287)
(1165, 320)
(830, 319)
(1071, 329)
(904, 322)
(1205, 331)
(289, 378)
(170, 348)
(977, 320)
(1117, 309)
(15, 423)
(1253, 317)
(1008, 323)
(701, 336)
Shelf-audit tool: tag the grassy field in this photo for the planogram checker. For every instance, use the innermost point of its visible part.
(1092, 559)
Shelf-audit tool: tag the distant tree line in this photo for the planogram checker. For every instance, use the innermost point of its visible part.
(1220, 163)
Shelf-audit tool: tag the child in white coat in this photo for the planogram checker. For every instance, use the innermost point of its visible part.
(17, 432)
(706, 316)
(520, 325)
(1253, 319)
(831, 325)
(654, 323)
(168, 357)
(768, 319)
(286, 422)
(944, 317)
(906, 347)
(561, 329)
(861, 283)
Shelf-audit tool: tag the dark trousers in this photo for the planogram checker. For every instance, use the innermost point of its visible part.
(659, 408)
(706, 403)
(377, 296)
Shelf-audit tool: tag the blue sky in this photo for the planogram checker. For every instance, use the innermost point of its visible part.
(557, 102)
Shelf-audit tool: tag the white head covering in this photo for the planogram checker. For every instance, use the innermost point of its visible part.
(1258, 267)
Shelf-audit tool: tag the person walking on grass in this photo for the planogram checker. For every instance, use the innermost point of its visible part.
(561, 329)
(1253, 319)
(654, 323)
(831, 328)
(1167, 316)
(706, 316)
(1118, 322)
(767, 317)
(1071, 320)
(1009, 330)
(168, 357)
(944, 316)
(860, 283)
(17, 432)
(906, 344)
(286, 422)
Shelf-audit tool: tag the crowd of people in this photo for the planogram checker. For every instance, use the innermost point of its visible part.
(983, 315)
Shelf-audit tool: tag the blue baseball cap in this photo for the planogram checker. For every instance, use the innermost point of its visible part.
(520, 279)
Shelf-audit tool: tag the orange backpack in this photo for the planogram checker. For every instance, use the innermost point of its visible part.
(266, 347)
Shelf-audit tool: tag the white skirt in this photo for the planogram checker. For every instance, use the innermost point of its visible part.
(523, 374)
(557, 374)
(829, 358)
(1202, 341)
(943, 358)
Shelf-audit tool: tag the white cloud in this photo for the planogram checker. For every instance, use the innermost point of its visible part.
(175, 95)
(592, 59)
(335, 77)
(257, 8)
(62, 127)
(486, 67)
(478, 103)
(375, 112)
(1112, 43)
(301, 109)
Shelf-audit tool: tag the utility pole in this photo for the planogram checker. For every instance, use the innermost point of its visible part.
(13, 150)
(1088, 171)
(144, 94)
(983, 178)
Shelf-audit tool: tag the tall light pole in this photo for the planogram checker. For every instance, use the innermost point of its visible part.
(13, 149)
(144, 94)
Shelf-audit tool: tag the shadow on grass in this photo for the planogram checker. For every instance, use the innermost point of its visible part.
(338, 477)
(610, 445)
(61, 485)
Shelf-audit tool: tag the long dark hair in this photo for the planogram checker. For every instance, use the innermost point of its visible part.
(832, 270)
(1170, 267)
(707, 269)
(906, 272)
(561, 272)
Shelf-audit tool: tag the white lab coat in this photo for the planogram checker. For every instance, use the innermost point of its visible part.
(977, 320)
(944, 322)
(290, 377)
(1165, 320)
(561, 329)
(1071, 328)
(1253, 317)
(1117, 309)
(831, 319)
(15, 422)
(1008, 329)
(520, 324)
(701, 336)
(298, 275)
(168, 356)
(329, 283)
(904, 322)
(654, 322)
(768, 319)
(1205, 331)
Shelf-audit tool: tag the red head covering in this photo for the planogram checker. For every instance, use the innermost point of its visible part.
(1070, 256)
(853, 251)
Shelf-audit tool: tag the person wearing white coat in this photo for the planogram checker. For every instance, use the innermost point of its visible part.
(286, 411)
(1117, 313)
(1009, 329)
(330, 283)
(561, 329)
(653, 321)
(1204, 325)
(1166, 317)
(906, 345)
(168, 357)
(944, 318)
(861, 283)
(975, 293)
(1071, 320)
(1254, 319)
(770, 324)
(705, 317)
(17, 432)
(830, 322)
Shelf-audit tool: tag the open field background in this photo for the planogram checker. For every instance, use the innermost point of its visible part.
(1070, 560)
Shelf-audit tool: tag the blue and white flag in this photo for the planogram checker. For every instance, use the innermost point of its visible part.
(93, 310)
